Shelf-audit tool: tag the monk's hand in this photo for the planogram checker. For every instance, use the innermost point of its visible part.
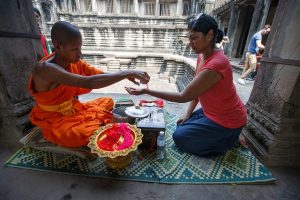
(140, 75)
(136, 91)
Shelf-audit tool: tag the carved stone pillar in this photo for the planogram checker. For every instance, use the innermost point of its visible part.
(78, 5)
(193, 7)
(116, 7)
(234, 13)
(94, 6)
(157, 8)
(179, 8)
(17, 58)
(64, 6)
(136, 7)
(273, 129)
(258, 21)
(47, 9)
(54, 12)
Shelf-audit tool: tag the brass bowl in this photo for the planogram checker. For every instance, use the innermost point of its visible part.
(119, 162)
(115, 159)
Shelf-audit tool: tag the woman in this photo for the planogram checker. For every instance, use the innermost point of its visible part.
(223, 40)
(45, 44)
(215, 127)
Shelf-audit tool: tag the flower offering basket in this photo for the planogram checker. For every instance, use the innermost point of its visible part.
(116, 142)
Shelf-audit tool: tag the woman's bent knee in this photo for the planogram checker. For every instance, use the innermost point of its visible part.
(177, 136)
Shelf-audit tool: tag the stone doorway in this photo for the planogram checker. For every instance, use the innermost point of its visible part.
(243, 26)
(244, 22)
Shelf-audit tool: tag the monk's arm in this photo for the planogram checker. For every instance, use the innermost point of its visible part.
(200, 84)
(54, 73)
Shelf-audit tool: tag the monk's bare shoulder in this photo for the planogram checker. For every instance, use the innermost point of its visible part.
(42, 78)
(47, 70)
(38, 68)
(50, 75)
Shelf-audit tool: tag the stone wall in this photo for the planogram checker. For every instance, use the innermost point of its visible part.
(273, 130)
(106, 26)
(20, 49)
(128, 33)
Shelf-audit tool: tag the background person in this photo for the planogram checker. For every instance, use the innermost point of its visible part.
(45, 44)
(254, 45)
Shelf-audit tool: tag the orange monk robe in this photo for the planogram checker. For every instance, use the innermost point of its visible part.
(65, 121)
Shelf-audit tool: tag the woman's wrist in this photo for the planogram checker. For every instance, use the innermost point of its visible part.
(147, 91)
(188, 114)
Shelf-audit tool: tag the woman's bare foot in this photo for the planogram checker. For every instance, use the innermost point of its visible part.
(243, 141)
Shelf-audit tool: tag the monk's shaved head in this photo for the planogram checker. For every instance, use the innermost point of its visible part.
(64, 32)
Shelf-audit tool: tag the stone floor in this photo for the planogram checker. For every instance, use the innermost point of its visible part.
(35, 185)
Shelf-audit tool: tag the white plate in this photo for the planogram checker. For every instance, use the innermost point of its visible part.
(132, 112)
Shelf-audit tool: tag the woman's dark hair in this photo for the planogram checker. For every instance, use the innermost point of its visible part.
(219, 36)
(203, 23)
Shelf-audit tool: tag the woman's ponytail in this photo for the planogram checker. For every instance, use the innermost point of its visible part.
(219, 36)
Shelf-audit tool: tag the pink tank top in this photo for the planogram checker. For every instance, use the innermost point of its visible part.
(221, 103)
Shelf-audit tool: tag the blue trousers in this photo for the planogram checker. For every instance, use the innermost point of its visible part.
(201, 136)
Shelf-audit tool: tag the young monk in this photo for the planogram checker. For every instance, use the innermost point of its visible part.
(55, 81)
(215, 127)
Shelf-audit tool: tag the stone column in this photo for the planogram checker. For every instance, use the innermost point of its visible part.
(273, 129)
(17, 58)
(64, 6)
(136, 7)
(116, 7)
(179, 8)
(78, 6)
(258, 21)
(157, 8)
(193, 7)
(68, 6)
(94, 6)
(54, 12)
(234, 13)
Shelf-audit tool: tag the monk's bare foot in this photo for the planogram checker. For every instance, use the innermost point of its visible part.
(243, 141)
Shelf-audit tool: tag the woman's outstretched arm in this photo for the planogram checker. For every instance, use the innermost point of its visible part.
(201, 83)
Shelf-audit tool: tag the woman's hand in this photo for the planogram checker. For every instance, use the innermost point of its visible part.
(140, 75)
(135, 91)
(182, 119)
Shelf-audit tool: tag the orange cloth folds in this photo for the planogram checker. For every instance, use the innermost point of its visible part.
(65, 121)
(65, 108)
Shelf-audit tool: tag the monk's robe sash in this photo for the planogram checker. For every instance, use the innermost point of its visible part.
(65, 108)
